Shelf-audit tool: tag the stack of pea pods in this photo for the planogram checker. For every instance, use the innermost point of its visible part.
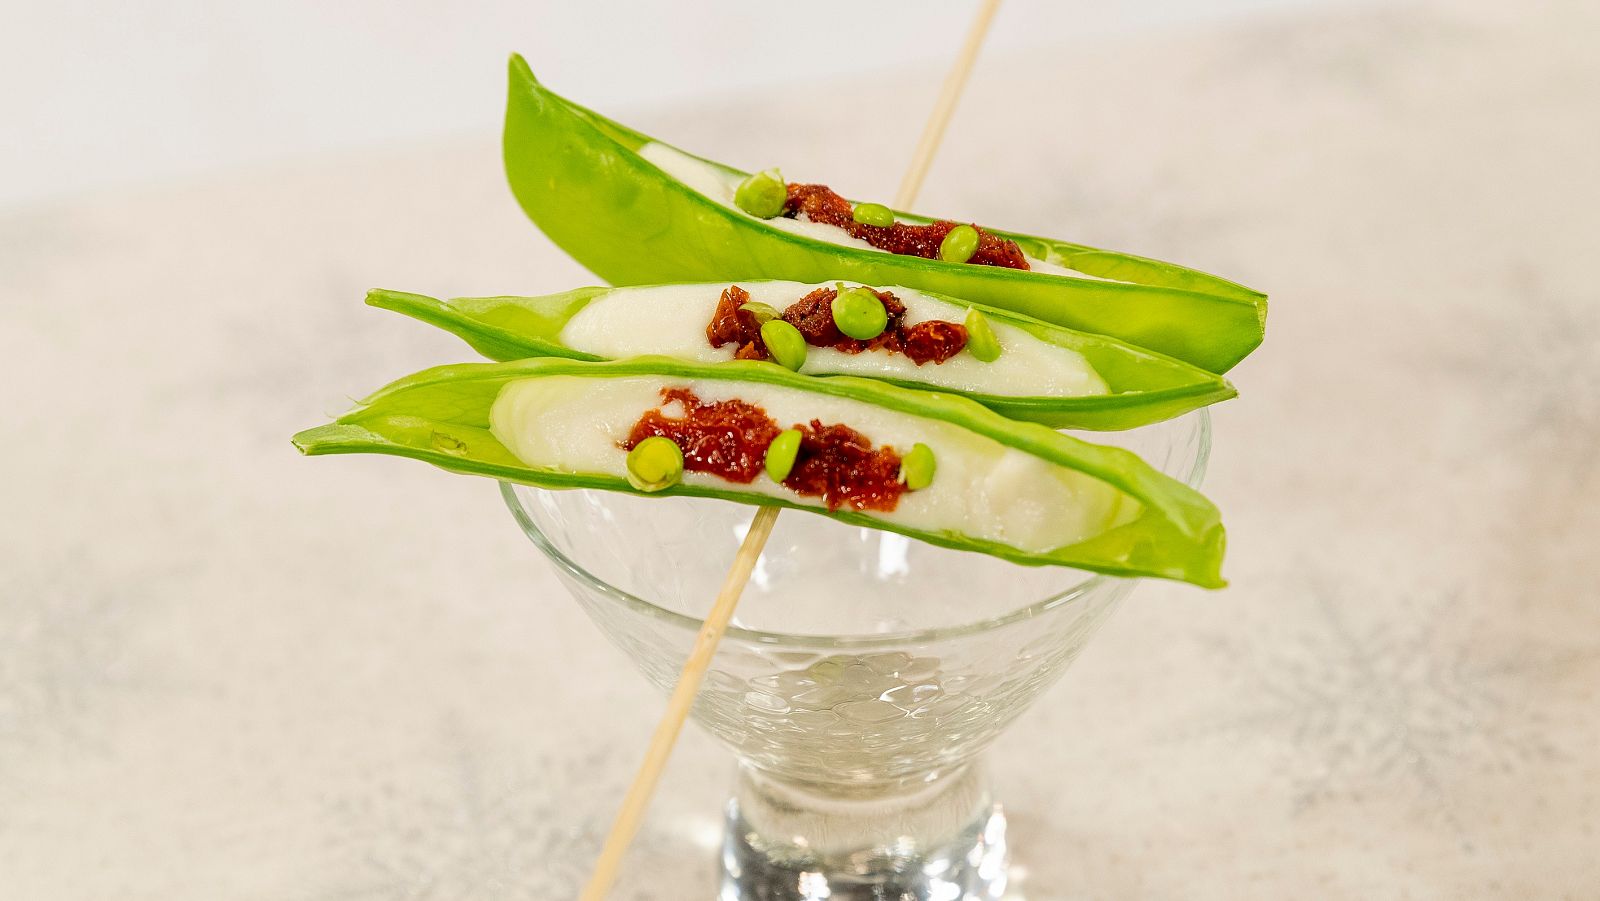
(672, 232)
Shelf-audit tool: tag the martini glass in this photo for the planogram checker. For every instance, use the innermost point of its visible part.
(861, 677)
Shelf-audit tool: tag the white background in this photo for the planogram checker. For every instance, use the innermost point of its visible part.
(97, 93)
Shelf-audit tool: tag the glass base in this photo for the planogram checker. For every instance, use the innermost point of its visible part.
(944, 840)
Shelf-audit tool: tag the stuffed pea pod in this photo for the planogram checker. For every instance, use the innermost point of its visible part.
(637, 211)
(1020, 367)
(935, 467)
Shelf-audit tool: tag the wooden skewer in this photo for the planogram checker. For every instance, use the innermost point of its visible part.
(944, 107)
(666, 734)
(626, 824)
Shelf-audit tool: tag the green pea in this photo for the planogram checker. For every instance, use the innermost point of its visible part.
(763, 313)
(762, 195)
(981, 341)
(655, 463)
(785, 343)
(873, 214)
(959, 245)
(917, 467)
(781, 454)
(859, 313)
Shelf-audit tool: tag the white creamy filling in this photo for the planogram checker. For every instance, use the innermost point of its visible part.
(671, 320)
(982, 488)
(720, 185)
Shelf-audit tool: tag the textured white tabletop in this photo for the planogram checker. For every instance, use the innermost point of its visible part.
(228, 672)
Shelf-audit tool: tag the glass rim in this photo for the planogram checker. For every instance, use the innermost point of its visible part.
(1067, 595)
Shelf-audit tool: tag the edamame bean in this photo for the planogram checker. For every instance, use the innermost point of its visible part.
(859, 313)
(655, 463)
(762, 195)
(981, 341)
(785, 343)
(781, 454)
(873, 214)
(763, 313)
(917, 467)
(959, 245)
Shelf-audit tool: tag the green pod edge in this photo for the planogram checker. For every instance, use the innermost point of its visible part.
(1145, 386)
(579, 177)
(441, 416)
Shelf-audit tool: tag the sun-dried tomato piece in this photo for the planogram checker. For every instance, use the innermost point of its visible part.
(729, 438)
(933, 340)
(812, 316)
(838, 464)
(732, 325)
(821, 204)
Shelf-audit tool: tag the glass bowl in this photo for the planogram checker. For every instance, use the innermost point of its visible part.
(862, 674)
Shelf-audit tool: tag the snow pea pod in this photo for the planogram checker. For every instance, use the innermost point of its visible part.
(1047, 374)
(1014, 490)
(582, 179)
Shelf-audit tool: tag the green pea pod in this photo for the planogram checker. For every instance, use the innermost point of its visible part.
(1139, 521)
(580, 177)
(1135, 386)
